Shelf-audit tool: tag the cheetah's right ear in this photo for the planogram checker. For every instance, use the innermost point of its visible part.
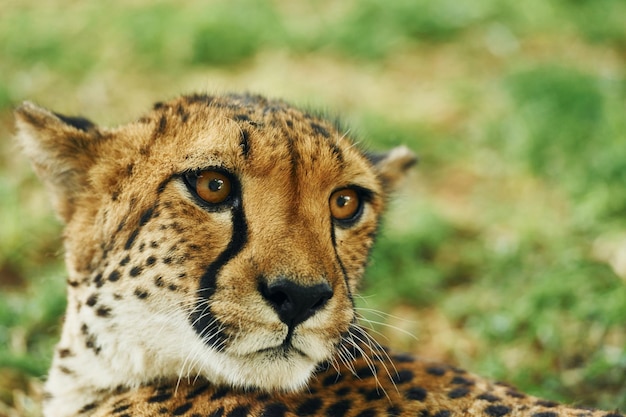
(61, 151)
(392, 166)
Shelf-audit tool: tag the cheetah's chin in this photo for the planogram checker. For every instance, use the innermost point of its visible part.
(274, 369)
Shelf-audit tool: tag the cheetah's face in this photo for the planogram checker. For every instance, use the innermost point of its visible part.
(217, 236)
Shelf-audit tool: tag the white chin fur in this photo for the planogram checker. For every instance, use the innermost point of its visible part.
(268, 373)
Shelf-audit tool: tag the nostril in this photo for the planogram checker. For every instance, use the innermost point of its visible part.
(322, 301)
(277, 298)
(294, 303)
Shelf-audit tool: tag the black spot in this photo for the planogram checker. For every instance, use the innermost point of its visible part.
(515, 394)
(242, 117)
(442, 413)
(309, 407)
(161, 397)
(199, 390)
(103, 311)
(64, 353)
(114, 276)
(150, 261)
(88, 407)
(121, 408)
(339, 409)
(366, 372)
(141, 293)
(135, 271)
(98, 280)
(92, 300)
(129, 169)
(497, 410)
(546, 403)
(263, 397)
(436, 370)
(545, 414)
(167, 260)
(199, 99)
(374, 394)
(131, 239)
(488, 397)
(416, 393)
(332, 379)
(367, 413)
(160, 129)
(180, 410)
(461, 381)
(124, 261)
(342, 392)
(182, 113)
(241, 411)
(154, 244)
(65, 370)
(220, 393)
(72, 283)
(274, 410)
(319, 129)
(337, 152)
(458, 392)
(403, 358)
(402, 376)
(394, 411)
(158, 281)
(244, 143)
(172, 287)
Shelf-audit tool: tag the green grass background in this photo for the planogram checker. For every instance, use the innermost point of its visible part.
(505, 251)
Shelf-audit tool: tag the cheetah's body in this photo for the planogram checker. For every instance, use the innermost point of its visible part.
(213, 248)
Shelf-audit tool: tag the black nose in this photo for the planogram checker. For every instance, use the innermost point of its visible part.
(295, 303)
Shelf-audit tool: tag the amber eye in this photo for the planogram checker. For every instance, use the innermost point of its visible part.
(213, 186)
(345, 204)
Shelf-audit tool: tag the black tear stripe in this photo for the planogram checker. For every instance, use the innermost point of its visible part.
(341, 265)
(202, 320)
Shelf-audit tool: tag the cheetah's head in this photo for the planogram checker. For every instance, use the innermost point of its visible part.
(216, 236)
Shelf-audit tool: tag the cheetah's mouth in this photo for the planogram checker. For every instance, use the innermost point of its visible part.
(282, 352)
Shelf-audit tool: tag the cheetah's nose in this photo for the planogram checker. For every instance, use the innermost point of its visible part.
(295, 303)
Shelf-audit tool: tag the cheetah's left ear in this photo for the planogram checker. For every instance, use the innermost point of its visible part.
(61, 150)
(392, 166)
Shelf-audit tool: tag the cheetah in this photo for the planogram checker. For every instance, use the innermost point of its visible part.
(213, 250)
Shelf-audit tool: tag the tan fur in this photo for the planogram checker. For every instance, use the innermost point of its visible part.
(172, 308)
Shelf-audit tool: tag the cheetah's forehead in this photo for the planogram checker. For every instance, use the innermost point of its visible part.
(246, 135)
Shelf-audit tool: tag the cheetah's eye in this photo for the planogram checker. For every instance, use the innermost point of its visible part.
(345, 204)
(214, 187)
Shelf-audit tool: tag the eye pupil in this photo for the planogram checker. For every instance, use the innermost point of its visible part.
(343, 200)
(216, 184)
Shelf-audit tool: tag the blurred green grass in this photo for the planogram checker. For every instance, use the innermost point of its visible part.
(502, 253)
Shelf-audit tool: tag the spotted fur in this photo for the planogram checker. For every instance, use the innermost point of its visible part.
(181, 307)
